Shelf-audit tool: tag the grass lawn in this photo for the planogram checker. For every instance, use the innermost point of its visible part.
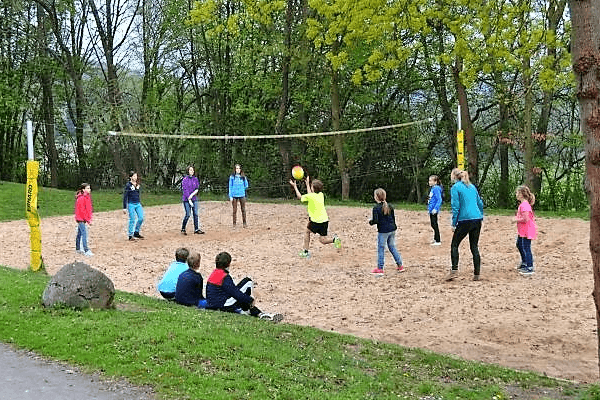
(185, 353)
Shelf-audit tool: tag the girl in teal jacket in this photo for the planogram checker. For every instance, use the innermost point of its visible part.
(467, 216)
(238, 183)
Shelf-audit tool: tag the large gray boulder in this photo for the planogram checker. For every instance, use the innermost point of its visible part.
(80, 286)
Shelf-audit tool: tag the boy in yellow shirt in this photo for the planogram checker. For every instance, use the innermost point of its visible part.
(318, 221)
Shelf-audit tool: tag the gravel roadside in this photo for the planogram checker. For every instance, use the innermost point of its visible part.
(27, 376)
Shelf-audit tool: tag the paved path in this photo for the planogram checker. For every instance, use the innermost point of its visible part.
(27, 376)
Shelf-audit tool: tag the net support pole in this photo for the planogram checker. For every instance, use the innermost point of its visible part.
(31, 212)
(460, 143)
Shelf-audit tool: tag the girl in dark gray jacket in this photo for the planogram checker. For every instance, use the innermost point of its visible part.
(383, 217)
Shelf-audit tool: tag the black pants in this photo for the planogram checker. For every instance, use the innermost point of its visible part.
(232, 305)
(433, 218)
(464, 228)
(168, 296)
(242, 201)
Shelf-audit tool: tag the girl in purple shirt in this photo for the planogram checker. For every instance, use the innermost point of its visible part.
(189, 190)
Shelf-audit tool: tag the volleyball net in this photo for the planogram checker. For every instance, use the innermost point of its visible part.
(389, 156)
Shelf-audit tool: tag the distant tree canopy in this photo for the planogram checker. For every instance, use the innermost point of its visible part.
(81, 68)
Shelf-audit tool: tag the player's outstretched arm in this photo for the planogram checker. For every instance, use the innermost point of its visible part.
(298, 194)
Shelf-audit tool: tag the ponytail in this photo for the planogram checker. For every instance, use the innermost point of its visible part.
(380, 196)
(385, 208)
(461, 175)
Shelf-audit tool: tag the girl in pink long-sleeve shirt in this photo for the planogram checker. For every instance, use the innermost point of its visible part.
(526, 228)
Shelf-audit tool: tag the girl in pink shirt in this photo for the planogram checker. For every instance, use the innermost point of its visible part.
(83, 216)
(526, 228)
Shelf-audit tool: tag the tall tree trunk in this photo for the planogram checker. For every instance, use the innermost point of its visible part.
(555, 13)
(107, 25)
(48, 118)
(147, 60)
(540, 138)
(79, 122)
(467, 125)
(284, 145)
(338, 141)
(528, 150)
(585, 15)
(46, 78)
(503, 143)
(438, 76)
(73, 62)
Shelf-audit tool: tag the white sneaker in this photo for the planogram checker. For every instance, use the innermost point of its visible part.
(304, 254)
(436, 243)
(88, 253)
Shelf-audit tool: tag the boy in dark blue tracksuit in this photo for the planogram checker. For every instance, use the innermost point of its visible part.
(224, 295)
(188, 290)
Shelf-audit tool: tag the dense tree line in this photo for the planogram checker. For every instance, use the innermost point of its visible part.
(81, 68)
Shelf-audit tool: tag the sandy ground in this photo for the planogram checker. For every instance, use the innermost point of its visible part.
(545, 323)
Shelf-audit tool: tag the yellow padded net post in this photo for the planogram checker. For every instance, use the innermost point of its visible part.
(460, 151)
(33, 218)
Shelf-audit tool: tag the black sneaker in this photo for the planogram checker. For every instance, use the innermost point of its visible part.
(183, 232)
(526, 271)
(199, 232)
(131, 238)
(137, 235)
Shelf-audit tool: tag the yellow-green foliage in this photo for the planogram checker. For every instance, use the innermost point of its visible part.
(337, 61)
(342, 26)
(209, 15)
(375, 36)
(203, 11)
(263, 11)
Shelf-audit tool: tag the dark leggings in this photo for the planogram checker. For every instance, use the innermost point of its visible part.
(433, 218)
(473, 229)
(242, 201)
(245, 286)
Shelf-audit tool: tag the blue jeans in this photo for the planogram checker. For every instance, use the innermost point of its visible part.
(135, 212)
(194, 210)
(81, 237)
(389, 239)
(524, 246)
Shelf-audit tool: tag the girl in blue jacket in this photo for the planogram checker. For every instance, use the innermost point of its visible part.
(238, 183)
(467, 217)
(132, 205)
(433, 207)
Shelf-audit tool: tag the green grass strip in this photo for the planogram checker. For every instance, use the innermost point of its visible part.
(185, 353)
